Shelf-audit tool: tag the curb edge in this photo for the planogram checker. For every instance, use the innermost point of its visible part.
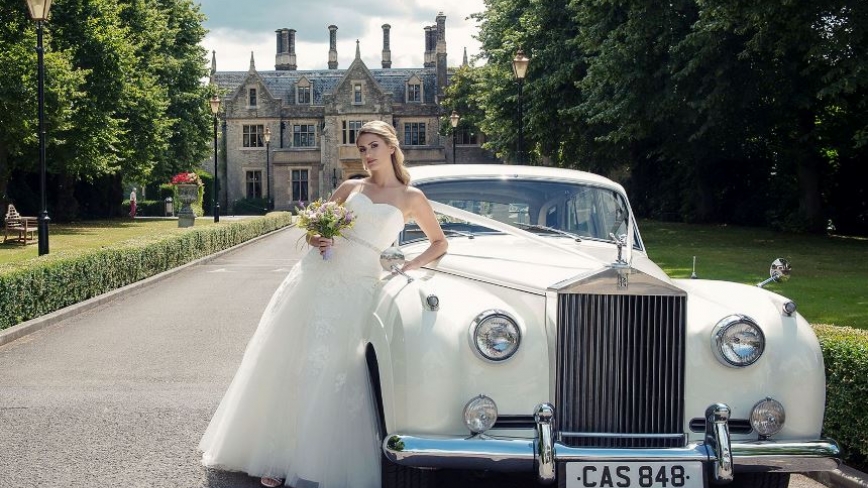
(843, 477)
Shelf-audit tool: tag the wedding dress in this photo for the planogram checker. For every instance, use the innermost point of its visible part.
(300, 405)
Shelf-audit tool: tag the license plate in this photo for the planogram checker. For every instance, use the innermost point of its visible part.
(635, 475)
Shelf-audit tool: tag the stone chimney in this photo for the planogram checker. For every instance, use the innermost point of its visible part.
(285, 59)
(387, 51)
(440, 45)
(464, 61)
(333, 47)
(430, 33)
(440, 54)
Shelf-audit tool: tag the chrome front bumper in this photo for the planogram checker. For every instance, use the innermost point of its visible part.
(718, 452)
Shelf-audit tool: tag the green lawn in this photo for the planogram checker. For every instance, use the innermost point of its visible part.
(829, 281)
(84, 235)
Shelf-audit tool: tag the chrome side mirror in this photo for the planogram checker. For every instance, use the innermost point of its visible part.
(779, 271)
(392, 259)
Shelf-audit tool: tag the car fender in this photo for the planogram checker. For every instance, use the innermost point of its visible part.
(790, 369)
(427, 368)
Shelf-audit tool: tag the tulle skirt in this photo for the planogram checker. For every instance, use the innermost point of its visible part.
(300, 406)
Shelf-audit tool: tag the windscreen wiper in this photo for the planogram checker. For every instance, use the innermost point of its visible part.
(549, 229)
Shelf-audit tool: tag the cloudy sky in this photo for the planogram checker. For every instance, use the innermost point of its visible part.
(237, 27)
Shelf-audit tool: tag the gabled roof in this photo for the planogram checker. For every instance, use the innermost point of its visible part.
(281, 84)
(358, 66)
(246, 79)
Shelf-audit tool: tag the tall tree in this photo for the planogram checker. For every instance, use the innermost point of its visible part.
(181, 73)
(18, 94)
(123, 92)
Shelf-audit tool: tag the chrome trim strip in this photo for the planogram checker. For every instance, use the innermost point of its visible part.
(618, 434)
(512, 455)
(487, 280)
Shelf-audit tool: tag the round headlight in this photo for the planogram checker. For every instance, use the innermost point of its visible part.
(738, 341)
(495, 335)
(480, 414)
(767, 417)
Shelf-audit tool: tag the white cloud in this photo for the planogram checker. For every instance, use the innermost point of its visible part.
(233, 40)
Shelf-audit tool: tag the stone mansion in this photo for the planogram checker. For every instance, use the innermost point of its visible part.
(311, 118)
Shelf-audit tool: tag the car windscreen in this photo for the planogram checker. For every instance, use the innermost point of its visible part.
(541, 206)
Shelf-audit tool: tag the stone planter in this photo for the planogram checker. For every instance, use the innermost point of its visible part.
(187, 194)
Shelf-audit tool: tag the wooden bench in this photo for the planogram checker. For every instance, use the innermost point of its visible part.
(24, 228)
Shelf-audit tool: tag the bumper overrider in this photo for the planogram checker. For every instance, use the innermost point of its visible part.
(718, 453)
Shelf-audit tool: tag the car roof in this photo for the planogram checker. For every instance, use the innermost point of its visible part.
(420, 174)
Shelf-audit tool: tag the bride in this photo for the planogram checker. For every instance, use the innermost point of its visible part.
(300, 410)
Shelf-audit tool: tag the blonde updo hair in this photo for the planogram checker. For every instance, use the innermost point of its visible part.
(386, 132)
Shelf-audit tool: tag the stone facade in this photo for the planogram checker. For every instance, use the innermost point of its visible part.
(312, 116)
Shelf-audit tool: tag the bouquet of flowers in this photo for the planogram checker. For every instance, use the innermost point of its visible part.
(327, 219)
(186, 179)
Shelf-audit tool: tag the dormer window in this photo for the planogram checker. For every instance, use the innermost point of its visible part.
(414, 93)
(304, 95)
(414, 90)
(302, 92)
(251, 97)
(357, 93)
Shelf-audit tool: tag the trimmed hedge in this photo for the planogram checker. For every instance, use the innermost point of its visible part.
(845, 354)
(34, 288)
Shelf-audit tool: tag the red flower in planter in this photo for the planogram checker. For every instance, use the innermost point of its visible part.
(186, 179)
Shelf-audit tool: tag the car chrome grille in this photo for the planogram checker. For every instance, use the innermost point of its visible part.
(620, 370)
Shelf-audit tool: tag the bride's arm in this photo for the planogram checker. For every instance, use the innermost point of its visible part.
(423, 214)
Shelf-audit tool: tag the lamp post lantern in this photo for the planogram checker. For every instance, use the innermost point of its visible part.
(39, 13)
(215, 108)
(270, 203)
(519, 69)
(453, 119)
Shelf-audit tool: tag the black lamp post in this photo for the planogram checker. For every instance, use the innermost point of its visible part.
(39, 13)
(270, 203)
(334, 178)
(225, 157)
(519, 69)
(215, 108)
(453, 119)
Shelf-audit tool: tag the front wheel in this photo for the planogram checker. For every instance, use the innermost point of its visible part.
(397, 476)
(759, 480)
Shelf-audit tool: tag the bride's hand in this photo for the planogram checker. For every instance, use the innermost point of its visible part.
(321, 243)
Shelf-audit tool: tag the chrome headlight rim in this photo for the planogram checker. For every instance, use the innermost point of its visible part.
(719, 335)
(484, 318)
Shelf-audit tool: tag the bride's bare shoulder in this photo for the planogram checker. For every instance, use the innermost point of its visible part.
(345, 189)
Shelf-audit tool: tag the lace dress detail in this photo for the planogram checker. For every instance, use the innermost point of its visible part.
(300, 405)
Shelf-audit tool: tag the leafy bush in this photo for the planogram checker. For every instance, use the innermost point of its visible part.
(845, 353)
(31, 289)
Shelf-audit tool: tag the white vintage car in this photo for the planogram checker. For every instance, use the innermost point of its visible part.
(546, 341)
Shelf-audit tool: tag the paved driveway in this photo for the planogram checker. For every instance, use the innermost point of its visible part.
(120, 395)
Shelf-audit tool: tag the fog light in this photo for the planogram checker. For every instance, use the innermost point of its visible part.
(480, 414)
(767, 417)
